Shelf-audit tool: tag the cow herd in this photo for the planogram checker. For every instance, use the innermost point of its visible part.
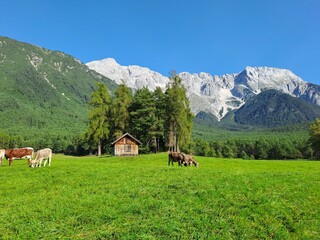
(34, 158)
(182, 159)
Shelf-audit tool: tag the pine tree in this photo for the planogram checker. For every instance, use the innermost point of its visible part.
(119, 111)
(178, 114)
(142, 116)
(99, 116)
(160, 114)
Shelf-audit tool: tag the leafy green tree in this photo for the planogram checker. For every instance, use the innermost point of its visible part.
(314, 137)
(262, 148)
(244, 155)
(99, 116)
(178, 114)
(142, 116)
(120, 111)
(228, 151)
(4, 140)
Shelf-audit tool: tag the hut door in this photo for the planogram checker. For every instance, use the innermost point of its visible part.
(127, 148)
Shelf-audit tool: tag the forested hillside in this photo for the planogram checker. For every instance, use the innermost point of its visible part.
(273, 108)
(44, 94)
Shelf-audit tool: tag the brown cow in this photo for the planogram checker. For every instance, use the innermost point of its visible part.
(175, 157)
(15, 153)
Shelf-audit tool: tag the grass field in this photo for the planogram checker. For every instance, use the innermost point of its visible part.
(142, 198)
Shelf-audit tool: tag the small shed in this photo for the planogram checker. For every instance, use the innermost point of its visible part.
(126, 145)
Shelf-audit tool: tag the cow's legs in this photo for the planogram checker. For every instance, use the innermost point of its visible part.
(40, 162)
(45, 162)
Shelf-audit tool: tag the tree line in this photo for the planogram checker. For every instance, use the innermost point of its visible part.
(282, 148)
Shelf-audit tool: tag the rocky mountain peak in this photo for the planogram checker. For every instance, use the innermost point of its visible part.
(215, 94)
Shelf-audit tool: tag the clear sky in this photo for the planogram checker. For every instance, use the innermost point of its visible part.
(214, 36)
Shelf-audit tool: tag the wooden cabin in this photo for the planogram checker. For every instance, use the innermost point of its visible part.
(126, 145)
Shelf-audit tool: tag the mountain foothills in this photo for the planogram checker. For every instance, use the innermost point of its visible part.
(220, 95)
(43, 92)
(272, 108)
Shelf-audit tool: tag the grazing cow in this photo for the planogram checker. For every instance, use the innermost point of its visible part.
(2, 153)
(19, 153)
(188, 160)
(41, 155)
(175, 157)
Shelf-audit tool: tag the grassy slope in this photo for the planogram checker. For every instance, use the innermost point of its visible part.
(143, 198)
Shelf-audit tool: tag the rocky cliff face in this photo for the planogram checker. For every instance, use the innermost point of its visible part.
(215, 94)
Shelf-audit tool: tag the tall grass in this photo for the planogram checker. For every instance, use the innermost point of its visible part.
(143, 198)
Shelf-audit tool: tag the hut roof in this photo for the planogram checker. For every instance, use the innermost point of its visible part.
(124, 135)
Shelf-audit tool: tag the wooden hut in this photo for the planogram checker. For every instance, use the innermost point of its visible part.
(126, 145)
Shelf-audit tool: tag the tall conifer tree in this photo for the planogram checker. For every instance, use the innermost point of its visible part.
(160, 114)
(99, 116)
(142, 116)
(119, 110)
(178, 114)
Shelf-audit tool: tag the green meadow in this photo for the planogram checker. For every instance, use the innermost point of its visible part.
(144, 198)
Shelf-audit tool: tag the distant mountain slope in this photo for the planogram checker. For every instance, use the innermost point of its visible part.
(273, 108)
(215, 94)
(43, 91)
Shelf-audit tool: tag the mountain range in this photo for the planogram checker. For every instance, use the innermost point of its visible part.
(46, 92)
(217, 95)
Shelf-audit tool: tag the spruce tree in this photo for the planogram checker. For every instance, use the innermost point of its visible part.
(160, 115)
(99, 116)
(142, 116)
(178, 114)
(119, 111)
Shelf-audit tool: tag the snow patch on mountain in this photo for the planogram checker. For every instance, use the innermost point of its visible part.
(133, 76)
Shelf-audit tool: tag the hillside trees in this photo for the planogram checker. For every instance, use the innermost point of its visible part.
(99, 116)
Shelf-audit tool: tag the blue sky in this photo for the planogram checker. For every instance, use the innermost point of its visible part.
(214, 36)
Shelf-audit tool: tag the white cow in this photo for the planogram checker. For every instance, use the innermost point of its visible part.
(42, 155)
(2, 153)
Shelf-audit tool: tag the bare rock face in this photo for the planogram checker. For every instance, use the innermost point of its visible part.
(215, 94)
